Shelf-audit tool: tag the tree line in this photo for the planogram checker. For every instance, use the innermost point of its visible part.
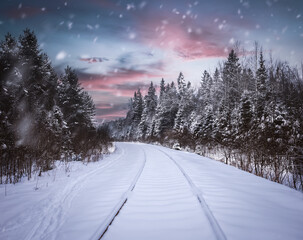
(254, 118)
(43, 117)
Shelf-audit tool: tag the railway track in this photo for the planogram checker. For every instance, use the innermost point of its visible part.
(111, 217)
(211, 218)
(218, 232)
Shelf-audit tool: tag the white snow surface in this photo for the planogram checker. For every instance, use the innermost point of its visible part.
(170, 195)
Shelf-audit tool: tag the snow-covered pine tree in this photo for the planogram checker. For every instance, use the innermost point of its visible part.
(162, 89)
(205, 91)
(217, 90)
(166, 111)
(246, 113)
(77, 108)
(261, 78)
(204, 131)
(185, 105)
(8, 79)
(181, 84)
(149, 109)
(138, 107)
(231, 80)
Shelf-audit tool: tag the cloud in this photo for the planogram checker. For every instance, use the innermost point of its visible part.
(111, 116)
(104, 106)
(186, 42)
(94, 59)
(111, 111)
(118, 82)
(185, 36)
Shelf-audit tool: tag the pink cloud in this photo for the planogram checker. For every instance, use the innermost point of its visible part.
(122, 82)
(189, 38)
(93, 59)
(188, 45)
(112, 116)
(103, 106)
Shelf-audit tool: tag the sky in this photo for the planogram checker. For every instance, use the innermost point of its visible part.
(118, 46)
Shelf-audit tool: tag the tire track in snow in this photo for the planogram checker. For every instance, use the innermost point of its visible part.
(211, 218)
(57, 208)
(111, 217)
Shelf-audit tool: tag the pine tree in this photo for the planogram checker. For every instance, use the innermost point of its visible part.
(261, 77)
(206, 90)
(149, 109)
(181, 84)
(77, 108)
(231, 80)
(204, 130)
(162, 89)
(166, 111)
(217, 90)
(246, 114)
(8, 59)
(185, 105)
(138, 107)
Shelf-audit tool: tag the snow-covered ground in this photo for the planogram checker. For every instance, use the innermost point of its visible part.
(169, 195)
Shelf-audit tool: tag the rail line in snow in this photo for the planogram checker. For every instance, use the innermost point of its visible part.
(111, 217)
(211, 218)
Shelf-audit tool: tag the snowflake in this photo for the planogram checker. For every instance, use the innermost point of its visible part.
(132, 36)
(61, 55)
(69, 25)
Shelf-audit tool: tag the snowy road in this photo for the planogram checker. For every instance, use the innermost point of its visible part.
(166, 194)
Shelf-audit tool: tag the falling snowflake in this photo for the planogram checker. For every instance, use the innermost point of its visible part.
(61, 55)
(232, 41)
(69, 25)
(132, 36)
(130, 6)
